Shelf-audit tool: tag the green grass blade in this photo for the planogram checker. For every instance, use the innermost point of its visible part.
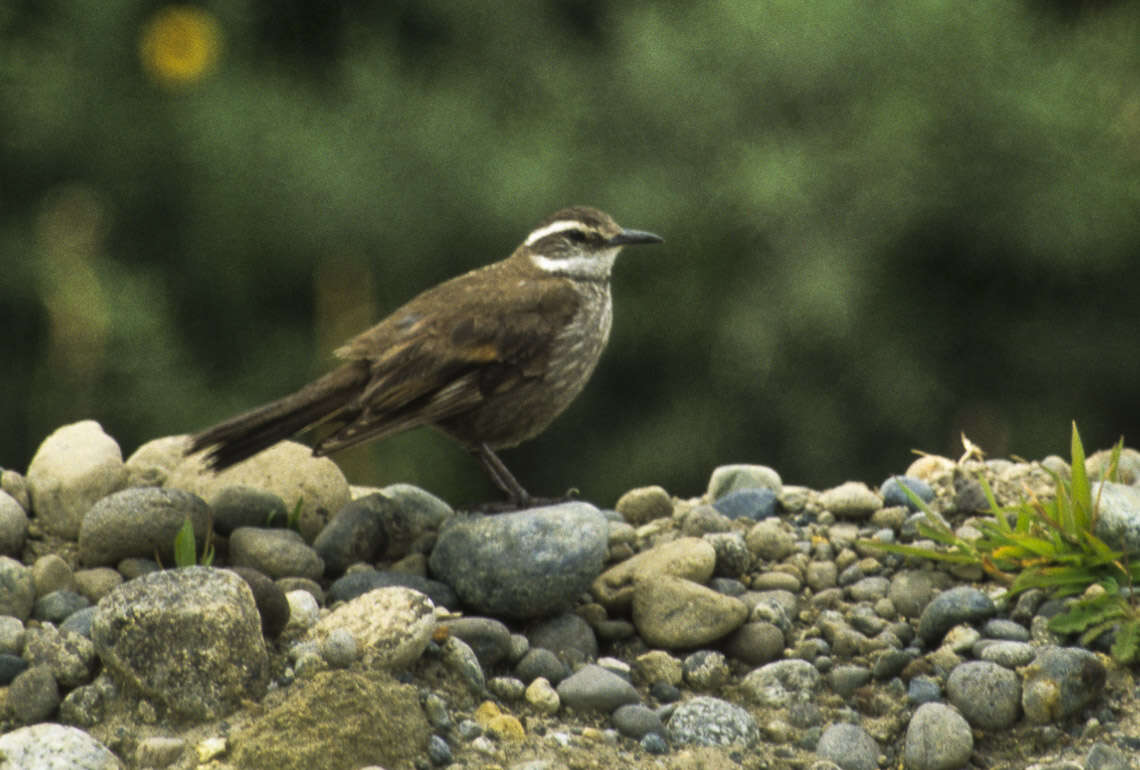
(1081, 500)
(185, 547)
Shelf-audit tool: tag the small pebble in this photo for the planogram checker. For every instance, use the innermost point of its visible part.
(438, 751)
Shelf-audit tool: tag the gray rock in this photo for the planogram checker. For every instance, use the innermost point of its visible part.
(56, 746)
(1006, 630)
(528, 564)
(1008, 654)
(69, 656)
(729, 478)
(11, 635)
(339, 648)
(459, 657)
(1118, 520)
(355, 534)
(636, 721)
(868, 589)
(781, 683)
(11, 666)
(986, 694)
(357, 583)
(893, 493)
(911, 592)
(275, 552)
(540, 662)
(568, 636)
(241, 506)
(851, 500)
(74, 467)
(1060, 682)
(937, 738)
(821, 575)
(752, 504)
(439, 753)
(487, 637)
(13, 525)
(159, 751)
(189, 639)
(52, 573)
(414, 517)
(755, 643)
(1103, 756)
(923, 689)
(708, 721)
(33, 695)
(644, 504)
(57, 606)
(674, 613)
(15, 486)
(963, 604)
(506, 687)
(139, 522)
(17, 590)
(849, 746)
(593, 688)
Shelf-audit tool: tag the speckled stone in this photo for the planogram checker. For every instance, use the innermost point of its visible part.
(986, 694)
(849, 746)
(1060, 682)
(708, 721)
(963, 604)
(937, 738)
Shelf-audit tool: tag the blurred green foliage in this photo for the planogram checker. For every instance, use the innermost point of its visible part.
(885, 223)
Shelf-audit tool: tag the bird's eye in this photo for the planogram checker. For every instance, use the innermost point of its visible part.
(576, 236)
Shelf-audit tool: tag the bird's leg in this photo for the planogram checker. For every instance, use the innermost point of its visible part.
(502, 477)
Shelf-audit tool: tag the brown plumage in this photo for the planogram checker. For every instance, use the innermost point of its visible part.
(490, 357)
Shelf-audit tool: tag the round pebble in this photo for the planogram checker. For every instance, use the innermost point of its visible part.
(275, 552)
(708, 721)
(532, 563)
(439, 753)
(33, 695)
(51, 746)
(356, 533)
(923, 689)
(541, 662)
(636, 721)
(937, 738)
(489, 638)
(543, 696)
(986, 694)
(755, 643)
(963, 604)
(593, 688)
(727, 478)
(849, 746)
(1060, 682)
(894, 494)
(781, 683)
(567, 635)
(339, 648)
(1008, 654)
(752, 504)
(643, 505)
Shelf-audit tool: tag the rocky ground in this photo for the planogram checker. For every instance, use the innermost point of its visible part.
(339, 627)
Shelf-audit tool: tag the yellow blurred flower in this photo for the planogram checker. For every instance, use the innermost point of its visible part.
(180, 44)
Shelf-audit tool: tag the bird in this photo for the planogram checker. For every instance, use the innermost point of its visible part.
(489, 358)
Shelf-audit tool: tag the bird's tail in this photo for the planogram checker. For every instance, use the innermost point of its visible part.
(245, 435)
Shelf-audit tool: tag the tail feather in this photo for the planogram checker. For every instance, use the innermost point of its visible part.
(243, 436)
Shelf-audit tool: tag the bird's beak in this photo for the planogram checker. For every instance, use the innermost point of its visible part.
(631, 237)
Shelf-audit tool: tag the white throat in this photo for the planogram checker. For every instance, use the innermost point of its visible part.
(597, 265)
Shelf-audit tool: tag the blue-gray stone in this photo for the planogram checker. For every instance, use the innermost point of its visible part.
(634, 720)
(752, 504)
(708, 721)
(79, 621)
(653, 743)
(57, 606)
(963, 604)
(1060, 682)
(1007, 654)
(923, 689)
(593, 688)
(139, 521)
(1008, 630)
(353, 585)
(532, 563)
(567, 635)
(894, 494)
(540, 661)
(988, 695)
(11, 666)
(849, 746)
(355, 534)
(438, 751)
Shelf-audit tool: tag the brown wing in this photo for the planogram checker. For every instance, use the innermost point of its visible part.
(445, 351)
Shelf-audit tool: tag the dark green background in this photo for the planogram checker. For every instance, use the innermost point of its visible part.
(886, 222)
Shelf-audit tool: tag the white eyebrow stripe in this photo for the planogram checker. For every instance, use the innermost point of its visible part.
(553, 227)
